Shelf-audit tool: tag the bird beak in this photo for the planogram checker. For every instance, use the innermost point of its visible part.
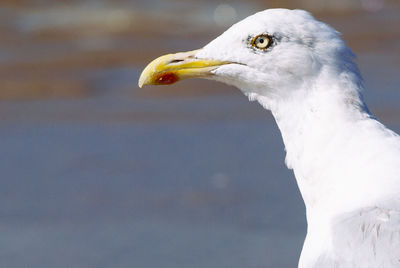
(171, 68)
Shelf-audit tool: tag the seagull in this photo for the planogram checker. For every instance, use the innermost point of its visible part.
(346, 163)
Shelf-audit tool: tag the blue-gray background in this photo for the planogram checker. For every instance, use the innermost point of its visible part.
(96, 172)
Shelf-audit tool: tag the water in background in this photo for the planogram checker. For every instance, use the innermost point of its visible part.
(99, 173)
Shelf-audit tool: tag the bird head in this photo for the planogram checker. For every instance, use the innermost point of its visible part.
(271, 53)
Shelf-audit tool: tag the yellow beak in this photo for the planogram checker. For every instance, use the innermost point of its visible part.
(171, 68)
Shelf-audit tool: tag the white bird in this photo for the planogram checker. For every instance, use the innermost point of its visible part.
(346, 163)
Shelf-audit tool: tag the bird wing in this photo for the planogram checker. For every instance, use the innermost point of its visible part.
(369, 237)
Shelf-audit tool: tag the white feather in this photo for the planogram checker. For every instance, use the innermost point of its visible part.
(346, 163)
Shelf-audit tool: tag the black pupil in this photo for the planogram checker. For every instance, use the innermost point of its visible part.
(261, 40)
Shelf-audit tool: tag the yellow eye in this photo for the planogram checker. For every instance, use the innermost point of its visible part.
(262, 41)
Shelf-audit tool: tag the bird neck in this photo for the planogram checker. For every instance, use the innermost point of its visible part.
(309, 121)
(314, 121)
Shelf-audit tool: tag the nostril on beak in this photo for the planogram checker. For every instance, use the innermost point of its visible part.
(175, 61)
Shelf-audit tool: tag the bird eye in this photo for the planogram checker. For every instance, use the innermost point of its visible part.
(263, 41)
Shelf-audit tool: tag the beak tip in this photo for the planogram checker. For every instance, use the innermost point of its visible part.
(143, 80)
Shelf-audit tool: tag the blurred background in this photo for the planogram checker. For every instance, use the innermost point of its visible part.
(99, 173)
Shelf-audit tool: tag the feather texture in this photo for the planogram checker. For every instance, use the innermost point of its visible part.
(346, 163)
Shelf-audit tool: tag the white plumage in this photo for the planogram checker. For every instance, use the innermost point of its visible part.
(346, 163)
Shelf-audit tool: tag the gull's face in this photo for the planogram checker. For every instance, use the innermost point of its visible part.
(264, 54)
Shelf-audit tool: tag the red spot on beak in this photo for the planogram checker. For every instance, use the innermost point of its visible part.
(166, 78)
